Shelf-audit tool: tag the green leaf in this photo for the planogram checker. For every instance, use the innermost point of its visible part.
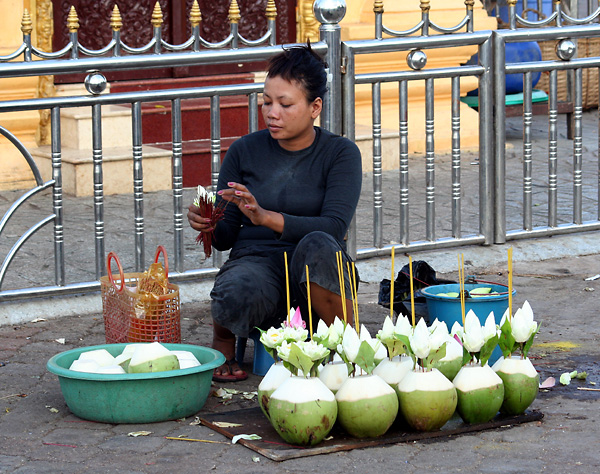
(529, 342)
(396, 347)
(433, 357)
(486, 350)
(291, 367)
(506, 341)
(300, 360)
(467, 357)
(365, 358)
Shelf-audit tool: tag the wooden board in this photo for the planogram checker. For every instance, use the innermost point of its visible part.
(271, 446)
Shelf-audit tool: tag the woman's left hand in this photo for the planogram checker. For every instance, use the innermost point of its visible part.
(244, 200)
(239, 195)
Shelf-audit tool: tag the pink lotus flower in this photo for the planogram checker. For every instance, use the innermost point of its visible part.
(295, 319)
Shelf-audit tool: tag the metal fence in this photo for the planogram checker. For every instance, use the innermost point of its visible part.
(419, 178)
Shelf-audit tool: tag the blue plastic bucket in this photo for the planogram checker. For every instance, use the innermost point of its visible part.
(262, 360)
(448, 308)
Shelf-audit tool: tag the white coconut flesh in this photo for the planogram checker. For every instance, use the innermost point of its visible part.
(186, 359)
(84, 366)
(367, 406)
(274, 377)
(308, 390)
(111, 369)
(517, 366)
(429, 381)
(474, 378)
(101, 356)
(453, 350)
(333, 375)
(393, 371)
(152, 357)
(363, 387)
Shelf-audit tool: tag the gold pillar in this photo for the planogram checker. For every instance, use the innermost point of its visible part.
(15, 171)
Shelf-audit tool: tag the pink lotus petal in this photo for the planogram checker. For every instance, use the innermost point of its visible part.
(458, 339)
(297, 321)
(548, 383)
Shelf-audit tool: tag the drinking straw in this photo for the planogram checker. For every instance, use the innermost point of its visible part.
(342, 284)
(309, 305)
(412, 292)
(510, 275)
(392, 288)
(287, 286)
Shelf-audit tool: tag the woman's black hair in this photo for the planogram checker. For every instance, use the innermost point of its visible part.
(303, 65)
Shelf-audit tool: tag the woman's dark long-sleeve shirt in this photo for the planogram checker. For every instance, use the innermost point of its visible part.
(315, 189)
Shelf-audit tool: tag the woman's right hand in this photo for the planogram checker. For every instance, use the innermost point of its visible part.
(197, 222)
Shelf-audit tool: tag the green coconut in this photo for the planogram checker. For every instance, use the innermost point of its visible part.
(452, 362)
(480, 393)
(152, 357)
(427, 399)
(367, 406)
(521, 384)
(302, 410)
(274, 377)
(124, 357)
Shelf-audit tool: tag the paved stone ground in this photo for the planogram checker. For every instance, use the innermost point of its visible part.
(35, 439)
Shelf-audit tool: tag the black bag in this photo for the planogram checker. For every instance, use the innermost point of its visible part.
(423, 276)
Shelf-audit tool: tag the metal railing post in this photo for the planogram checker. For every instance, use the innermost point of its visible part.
(329, 13)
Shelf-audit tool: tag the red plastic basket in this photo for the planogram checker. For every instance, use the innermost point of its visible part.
(138, 308)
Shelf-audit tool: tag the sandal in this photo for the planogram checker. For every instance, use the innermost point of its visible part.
(230, 377)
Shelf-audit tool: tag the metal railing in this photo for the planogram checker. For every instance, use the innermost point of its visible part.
(487, 223)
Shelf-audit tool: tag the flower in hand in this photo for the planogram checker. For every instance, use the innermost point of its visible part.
(213, 212)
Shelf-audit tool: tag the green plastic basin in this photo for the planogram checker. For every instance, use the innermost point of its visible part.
(136, 398)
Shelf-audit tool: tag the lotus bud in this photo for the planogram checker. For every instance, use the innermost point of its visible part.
(419, 340)
(489, 329)
(473, 333)
(523, 325)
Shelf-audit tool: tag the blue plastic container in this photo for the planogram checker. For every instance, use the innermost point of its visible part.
(448, 309)
(262, 360)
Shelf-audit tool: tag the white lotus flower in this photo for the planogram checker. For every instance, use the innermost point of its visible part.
(386, 332)
(272, 337)
(473, 338)
(293, 334)
(490, 329)
(457, 330)
(330, 336)
(437, 323)
(522, 324)
(350, 344)
(373, 342)
(322, 330)
(438, 336)
(403, 326)
(419, 340)
(283, 351)
(203, 193)
(313, 350)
